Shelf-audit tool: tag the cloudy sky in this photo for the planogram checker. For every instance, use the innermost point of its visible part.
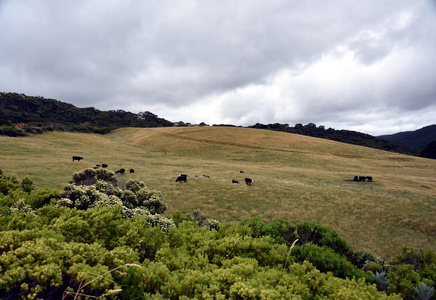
(368, 66)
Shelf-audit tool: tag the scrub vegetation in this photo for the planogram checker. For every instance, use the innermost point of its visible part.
(103, 238)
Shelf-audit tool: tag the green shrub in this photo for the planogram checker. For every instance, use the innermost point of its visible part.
(281, 231)
(323, 236)
(40, 197)
(423, 262)
(327, 260)
(362, 257)
(374, 267)
(403, 280)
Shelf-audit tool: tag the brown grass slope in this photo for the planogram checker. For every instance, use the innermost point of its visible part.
(296, 177)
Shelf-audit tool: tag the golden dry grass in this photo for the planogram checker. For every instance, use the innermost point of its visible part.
(297, 178)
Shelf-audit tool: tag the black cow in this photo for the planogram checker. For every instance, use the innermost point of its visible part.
(104, 166)
(207, 176)
(182, 177)
(132, 171)
(121, 171)
(362, 178)
(356, 178)
(241, 171)
(369, 178)
(78, 158)
(235, 181)
(248, 181)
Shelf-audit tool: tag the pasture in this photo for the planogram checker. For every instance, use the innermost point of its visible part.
(296, 177)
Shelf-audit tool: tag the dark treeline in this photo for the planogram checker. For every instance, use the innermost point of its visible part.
(21, 114)
(344, 136)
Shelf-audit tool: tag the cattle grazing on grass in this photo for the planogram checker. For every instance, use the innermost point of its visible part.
(241, 171)
(248, 181)
(182, 178)
(362, 178)
(206, 176)
(78, 158)
(132, 171)
(121, 171)
(235, 181)
(104, 166)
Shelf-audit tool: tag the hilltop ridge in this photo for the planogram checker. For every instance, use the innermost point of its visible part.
(33, 114)
(21, 114)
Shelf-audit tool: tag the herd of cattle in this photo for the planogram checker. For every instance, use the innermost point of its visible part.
(104, 166)
(184, 177)
(180, 178)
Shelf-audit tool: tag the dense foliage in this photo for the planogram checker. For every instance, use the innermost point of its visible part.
(430, 150)
(103, 237)
(344, 136)
(21, 114)
(416, 139)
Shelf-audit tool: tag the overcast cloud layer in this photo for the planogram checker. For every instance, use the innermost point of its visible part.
(368, 66)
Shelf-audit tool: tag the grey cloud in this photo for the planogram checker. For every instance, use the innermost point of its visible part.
(181, 58)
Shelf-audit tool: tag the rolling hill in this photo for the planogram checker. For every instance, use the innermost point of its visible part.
(296, 177)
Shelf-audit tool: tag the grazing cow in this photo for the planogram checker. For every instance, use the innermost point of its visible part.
(356, 178)
(78, 158)
(235, 181)
(104, 166)
(362, 178)
(132, 171)
(241, 171)
(248, 181)
(369, 178)
(206, 176)
(182, 177)
(121, 171)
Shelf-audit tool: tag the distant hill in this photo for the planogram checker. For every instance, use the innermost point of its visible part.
(344, 136)
(417, 139)
(33, 114)
(21, 114)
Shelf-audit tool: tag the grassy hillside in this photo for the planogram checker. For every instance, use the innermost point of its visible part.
(296, 177)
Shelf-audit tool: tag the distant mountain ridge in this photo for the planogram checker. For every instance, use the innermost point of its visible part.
(39, 113)
(416, 139)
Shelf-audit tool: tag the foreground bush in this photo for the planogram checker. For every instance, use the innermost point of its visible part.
(50, 251)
